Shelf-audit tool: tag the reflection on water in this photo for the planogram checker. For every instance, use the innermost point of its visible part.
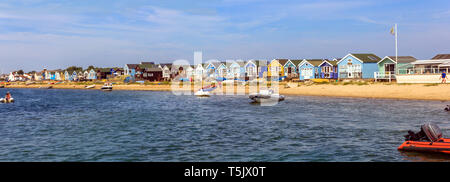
(425, 157)
(91, 125)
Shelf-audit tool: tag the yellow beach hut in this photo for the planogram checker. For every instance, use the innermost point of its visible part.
(276, 66)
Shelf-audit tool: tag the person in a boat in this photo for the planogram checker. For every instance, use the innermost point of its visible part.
(419, 136)
(8, 96)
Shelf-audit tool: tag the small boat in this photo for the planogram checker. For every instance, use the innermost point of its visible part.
(3, 100)
(447, 108)
(90, 86)
(429, 139)
(202, 93)
(266, 95)
(107, 87)
(46, 87)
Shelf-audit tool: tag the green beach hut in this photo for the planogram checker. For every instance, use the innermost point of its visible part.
(389, 65)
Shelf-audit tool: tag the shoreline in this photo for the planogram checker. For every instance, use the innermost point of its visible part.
(434, 92)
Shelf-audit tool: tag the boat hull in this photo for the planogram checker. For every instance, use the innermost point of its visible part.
(441, 146)
(202, 94)
(260, 98)
(3, 100)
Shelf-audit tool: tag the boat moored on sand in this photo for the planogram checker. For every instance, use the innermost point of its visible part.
(107, 87)
(46, 87)
(202, 93)
(90, 86)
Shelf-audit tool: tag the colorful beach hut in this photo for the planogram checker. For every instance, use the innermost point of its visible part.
(276, 68)
(236, 69)
(290, 68)
(388, 65)
(92, 75)
(222, 70)
(309, 69)
(199, 72)
(255, 68)
(358, 66)
(328, 69)
(74, 76)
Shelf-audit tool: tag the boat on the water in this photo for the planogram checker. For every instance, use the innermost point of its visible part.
(107, 87)
(3, 100)
(266, 95)
(447, 108)
(90, 86)
(202, 93)
(428, 139)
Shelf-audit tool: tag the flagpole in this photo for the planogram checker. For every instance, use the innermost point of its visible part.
(396, 48)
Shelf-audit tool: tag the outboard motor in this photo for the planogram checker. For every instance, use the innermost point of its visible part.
(428, 132)
(432, 131)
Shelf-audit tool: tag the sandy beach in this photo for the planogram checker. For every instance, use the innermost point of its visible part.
(371, 90)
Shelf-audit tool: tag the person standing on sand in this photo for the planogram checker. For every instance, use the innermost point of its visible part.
(444, 77)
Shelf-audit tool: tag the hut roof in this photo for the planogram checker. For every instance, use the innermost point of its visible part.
(132, 66)
(282, 61)
(403, 59)
(442, 56)
(316, 62)
(367, 57)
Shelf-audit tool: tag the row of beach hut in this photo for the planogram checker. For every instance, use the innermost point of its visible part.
(350, 66)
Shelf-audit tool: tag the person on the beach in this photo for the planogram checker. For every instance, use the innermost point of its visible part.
(444, 77)
(8, 96)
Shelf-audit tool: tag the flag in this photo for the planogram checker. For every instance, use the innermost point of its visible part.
(393, 30)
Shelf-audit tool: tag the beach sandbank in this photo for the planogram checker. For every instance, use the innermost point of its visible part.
(377, 90)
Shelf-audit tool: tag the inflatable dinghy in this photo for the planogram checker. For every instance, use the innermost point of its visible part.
(429, 139)
(3, 100)
(265, 95)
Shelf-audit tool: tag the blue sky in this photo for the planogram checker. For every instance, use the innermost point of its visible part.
(57, 33)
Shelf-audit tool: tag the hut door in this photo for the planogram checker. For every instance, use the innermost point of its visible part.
(389, 68)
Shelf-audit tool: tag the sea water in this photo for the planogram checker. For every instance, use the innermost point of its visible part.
(91, 125)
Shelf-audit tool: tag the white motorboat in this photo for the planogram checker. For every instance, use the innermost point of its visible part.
(90, 86)
(3, 100)
(107, 87)
(201, 93)
(266, 95)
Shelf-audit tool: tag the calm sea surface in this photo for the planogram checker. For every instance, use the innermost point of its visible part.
(91, 125)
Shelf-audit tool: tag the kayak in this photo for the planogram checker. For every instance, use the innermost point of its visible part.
(3, 100)
(440, 146)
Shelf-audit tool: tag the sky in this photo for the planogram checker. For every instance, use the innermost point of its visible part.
(53, 34)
